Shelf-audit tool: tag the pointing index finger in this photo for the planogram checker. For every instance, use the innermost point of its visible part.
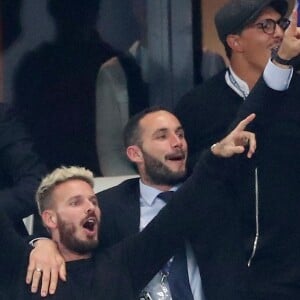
(244, 123)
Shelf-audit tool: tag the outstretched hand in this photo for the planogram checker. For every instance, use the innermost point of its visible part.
(290, 46)
(237, 141)
(45, 264)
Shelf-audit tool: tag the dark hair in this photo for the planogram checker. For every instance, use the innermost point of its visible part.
(228, 50)
(132, 130)
(68, 11)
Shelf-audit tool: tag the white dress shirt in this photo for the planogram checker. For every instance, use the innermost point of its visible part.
(275, 77)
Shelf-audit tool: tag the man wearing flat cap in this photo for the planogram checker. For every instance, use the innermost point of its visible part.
(249, 31)
(267, 197)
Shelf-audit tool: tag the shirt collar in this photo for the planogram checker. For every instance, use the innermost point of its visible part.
(236, 83)
(148, 194)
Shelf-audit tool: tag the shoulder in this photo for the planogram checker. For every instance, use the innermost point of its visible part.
(204, 98)
(213, 83)
(112, 69)
(11, 126)
(208, 90)
(39, 54)
(123, 189)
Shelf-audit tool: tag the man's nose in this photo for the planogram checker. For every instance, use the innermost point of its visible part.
(176, 141)
(90, 207)
(278, 31)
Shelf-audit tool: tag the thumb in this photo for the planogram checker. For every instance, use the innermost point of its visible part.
(63, 272)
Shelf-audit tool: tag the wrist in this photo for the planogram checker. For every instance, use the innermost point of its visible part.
(280, 61)
(35, 241)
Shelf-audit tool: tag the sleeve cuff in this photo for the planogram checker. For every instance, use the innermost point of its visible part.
(31, 243)
(277, 78)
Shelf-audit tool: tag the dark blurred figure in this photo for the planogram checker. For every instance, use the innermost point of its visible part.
(55, 86)
(10, 18)
(20, 168)
(10, 29)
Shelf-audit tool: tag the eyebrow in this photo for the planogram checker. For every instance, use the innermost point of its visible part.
(179, 128)
(163, 130)
(77, 197)
(267, 18)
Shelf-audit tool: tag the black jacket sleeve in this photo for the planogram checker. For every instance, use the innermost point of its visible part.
(20, 167)
(12, 254)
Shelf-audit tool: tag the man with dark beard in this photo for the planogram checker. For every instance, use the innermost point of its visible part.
(155, 142)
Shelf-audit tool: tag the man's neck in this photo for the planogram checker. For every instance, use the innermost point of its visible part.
(161, 187)
(245, 72)
(70, 255)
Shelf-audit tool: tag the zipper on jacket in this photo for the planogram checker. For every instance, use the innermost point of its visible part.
(256, 220)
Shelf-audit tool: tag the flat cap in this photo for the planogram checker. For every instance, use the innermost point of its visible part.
(235, 15)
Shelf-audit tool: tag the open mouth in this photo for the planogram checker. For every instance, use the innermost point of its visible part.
(176, 156)
(275, 48)
(90, 224)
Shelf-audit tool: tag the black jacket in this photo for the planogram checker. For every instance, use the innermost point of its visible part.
(120, 207)
(20, 169)
(275, 267)
(271, 213)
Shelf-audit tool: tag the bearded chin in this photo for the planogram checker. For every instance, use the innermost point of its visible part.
(160, 174)
(69, 240)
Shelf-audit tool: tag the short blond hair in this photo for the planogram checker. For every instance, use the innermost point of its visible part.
(58, 176)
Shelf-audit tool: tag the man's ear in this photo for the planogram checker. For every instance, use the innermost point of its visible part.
(233, 41)
(134, 153)
(49, 218)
